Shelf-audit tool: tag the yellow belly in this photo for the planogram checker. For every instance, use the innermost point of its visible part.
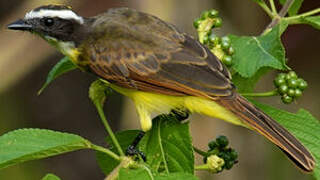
(149, 104)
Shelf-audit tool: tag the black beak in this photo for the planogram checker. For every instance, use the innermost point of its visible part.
(20, 25)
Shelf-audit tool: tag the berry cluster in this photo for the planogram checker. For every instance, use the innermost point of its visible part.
(219, 148)
(289, 86)
(220, 46)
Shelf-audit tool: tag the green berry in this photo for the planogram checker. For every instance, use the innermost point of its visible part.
(292, 75)
(212, 145)
(279, 81)
(230, 50)
(213, 13)
(218, 22)
(292, 83)
(297, 93)
(227, 60)
(222, 141)
(234, 154)
(226, 39)
(206, 39)
(228, 164)
(205, 14)
(225, 45)
(287, 99)
(215, 40)
(283, 89)
(281, 76)
(196, 23)
(291, 92)
(302, 84)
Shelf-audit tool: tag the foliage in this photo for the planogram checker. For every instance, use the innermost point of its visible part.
(168, 145)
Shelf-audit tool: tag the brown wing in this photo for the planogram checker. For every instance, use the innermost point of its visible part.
(139, 51)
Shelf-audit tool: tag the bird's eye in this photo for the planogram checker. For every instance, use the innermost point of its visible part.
(48, 22)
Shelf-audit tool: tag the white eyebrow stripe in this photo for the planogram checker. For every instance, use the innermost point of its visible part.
(63, 14)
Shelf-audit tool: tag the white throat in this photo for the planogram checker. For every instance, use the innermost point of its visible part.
(63, 14)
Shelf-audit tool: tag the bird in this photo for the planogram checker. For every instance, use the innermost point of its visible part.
(156, 65)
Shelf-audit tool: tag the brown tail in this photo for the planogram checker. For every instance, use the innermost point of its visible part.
(269, 128)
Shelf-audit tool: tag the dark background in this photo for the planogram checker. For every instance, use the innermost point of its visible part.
(64, 106)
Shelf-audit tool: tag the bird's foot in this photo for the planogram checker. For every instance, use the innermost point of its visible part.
(180, 114)
(133, 150)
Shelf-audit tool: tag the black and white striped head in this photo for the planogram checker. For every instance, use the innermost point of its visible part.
(52, 22)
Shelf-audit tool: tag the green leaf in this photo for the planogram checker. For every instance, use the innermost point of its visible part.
(125, 138)
(314, 21)
(142, 173)
(294, 8)
(63, 66)
(168, 146)
(303, 125)
(254, 53)
(247, 85)
(29, 144)
(51, 177)
(145, 173)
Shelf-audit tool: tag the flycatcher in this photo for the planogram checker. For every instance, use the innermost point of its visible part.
(159, 67)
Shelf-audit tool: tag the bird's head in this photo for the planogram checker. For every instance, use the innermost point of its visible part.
(57, 24)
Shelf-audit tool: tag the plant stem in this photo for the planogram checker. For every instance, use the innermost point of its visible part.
(263, 5)
(199, 151)
(108, 128)
(106, 151)
(201, 167)
(273, 7)
(282, 13)
(263, 94)
(297, 18)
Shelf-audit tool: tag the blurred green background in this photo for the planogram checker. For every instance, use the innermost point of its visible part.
(64, 106)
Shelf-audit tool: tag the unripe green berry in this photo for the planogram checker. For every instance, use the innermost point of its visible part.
(226, 39)
(297, 93)
(225, 45)
(218, 22)
(206, 39)
(234, 154)
(196, 23)
(213, 13)
(222, 141)
(204, 14)
(292, 75)
(230, 50)
(228, 164)
(281, 76)
(292, 83)
(291, 92)
(279, 81)
(212, 145)
(283, 89)
(302, 84)
(227, 60)
(215, 40)
(287, 99)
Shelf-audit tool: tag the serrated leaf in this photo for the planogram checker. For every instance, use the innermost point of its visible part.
(144, 173)
(254, 53)
(125, 138)
(168, 146)
(51, 177)
(303, 125)
(247, 85)
(294, 8)
(63, 66)
(314, 21)
(29, 144)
